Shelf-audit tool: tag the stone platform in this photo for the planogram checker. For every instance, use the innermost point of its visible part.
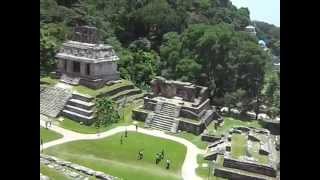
(177, 106)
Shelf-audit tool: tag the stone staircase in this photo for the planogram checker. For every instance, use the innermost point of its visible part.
(80, 108)
(69, 80)
(164, 117)
(53, 100)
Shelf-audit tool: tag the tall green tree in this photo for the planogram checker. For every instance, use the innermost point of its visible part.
(106, 112)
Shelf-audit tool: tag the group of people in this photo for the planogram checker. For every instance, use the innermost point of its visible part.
(159, 157)
(126, 134)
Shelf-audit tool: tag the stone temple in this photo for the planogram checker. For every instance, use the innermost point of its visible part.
(84, 61)
(175, 105)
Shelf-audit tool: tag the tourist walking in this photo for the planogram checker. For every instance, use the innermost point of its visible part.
(41, 143)
(126, 133)
(121, 139)
(162, 154)
(157, 158)
(136, 127)
(140, 155)
(168, 164)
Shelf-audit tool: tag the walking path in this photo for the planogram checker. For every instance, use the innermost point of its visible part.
(190, 162)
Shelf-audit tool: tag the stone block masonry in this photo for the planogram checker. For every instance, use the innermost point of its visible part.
(53, 161)
(250, 167)
(234, 175)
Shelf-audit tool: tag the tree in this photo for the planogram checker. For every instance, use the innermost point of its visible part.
(106, 112)
(234, 99)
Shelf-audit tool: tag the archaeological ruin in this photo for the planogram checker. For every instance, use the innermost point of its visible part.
(175, 105)
(260, 160)
(84, 61)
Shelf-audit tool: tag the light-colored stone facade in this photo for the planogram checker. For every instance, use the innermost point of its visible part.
(91, 64)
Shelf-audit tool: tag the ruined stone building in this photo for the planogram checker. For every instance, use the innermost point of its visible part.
(84, 61)
(175, 105)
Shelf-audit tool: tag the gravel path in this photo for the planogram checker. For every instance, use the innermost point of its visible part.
(189, 165)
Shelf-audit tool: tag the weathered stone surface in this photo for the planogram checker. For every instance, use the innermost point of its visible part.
(52, 100)
(253, 137)
(250, 167)
(234, 175)
(264, 149)
(43, 177)
(84, 61)
(210, 138)
(55, 162)
(139, 115)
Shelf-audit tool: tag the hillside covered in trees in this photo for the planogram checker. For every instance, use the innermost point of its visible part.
(201, 41)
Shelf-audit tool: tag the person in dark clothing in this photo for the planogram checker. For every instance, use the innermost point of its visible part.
(162, 154)
(126, 133)
(157, 158)
(41, 142)
(140, 155)
(121, 140)
(137, 128)
(168, 164)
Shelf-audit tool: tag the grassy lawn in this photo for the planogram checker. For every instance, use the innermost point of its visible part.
(238, 145)
(52, 173)
(254, 151)
(230, 122)
(48, 80)
(109, 156)
(48, 135)
(125, 119)
(196, 140)
(203, 172)
(105, 89)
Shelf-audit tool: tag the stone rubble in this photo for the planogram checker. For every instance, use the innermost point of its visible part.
(72, 170)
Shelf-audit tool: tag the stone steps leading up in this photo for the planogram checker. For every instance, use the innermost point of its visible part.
(78, 117)
(162, 122)
(81, 104)
(82, 97)
(124, 93)
(79, 110)
(52, 100)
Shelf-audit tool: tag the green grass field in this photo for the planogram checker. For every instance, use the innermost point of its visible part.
(238, 145)
(196, 140)
(52, 173)
(49, 81)
(105, 89)
(109, 156)
(204, 172)
(48, 135)
(230, 122)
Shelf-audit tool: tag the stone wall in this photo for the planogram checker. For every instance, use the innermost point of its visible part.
(250, 167)
(195, 128)
(116, 91)
(188, 114)
(199, 109)
(139, 115)
(186, 90)
(219, 172)
(46, 159)
(209, 138)
(149, 104)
